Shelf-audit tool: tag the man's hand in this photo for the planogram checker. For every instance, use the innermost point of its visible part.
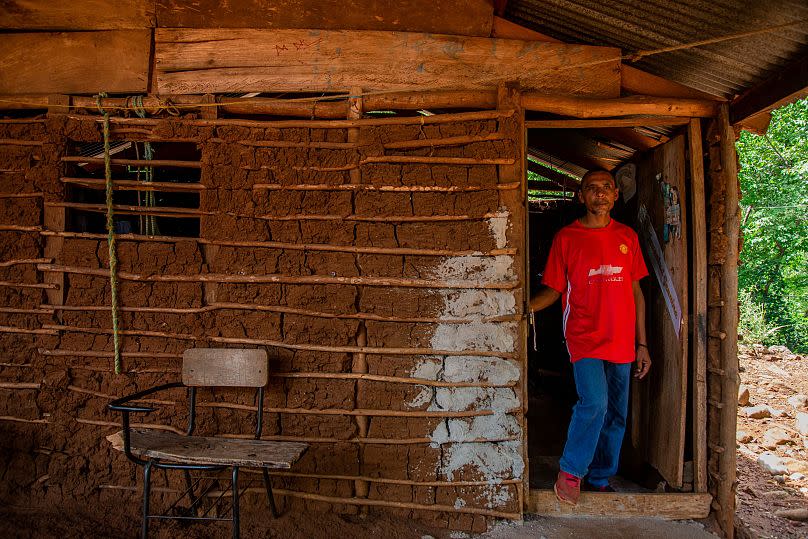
(643, 362)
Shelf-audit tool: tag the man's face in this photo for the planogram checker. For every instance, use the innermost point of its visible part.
(598, 193)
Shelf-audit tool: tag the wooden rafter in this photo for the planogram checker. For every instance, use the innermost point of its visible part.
(789, 84)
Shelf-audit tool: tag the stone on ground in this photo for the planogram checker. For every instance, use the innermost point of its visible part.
(776, 436)
(799, 514)
(802, 423)
(772, 464)
(799, 402)
(743, 395)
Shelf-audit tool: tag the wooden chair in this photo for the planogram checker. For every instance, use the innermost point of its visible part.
(205, 367)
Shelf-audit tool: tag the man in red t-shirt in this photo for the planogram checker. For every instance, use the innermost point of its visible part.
(596, 264)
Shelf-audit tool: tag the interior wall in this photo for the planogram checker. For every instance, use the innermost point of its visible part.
(416, 272)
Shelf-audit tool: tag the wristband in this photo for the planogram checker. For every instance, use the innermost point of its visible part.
(642, 344)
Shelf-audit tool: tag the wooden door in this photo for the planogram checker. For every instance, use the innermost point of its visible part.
(659, 401)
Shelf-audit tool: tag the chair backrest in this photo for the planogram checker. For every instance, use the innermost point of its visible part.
(233, 367)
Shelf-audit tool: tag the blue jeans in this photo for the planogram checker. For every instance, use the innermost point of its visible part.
(598, 420)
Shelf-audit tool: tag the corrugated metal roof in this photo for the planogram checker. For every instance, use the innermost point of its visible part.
(724, 69)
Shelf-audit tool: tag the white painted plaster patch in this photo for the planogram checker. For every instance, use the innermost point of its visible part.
(495, 461)
(498, 225)
(461, 303)
(493, 370)
(477, 336)
(459, 399)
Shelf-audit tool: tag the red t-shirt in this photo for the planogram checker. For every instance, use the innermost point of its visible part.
(594, 270)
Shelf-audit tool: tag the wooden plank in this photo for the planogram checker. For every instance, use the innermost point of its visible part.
(174, 447)
(211, 61)
(660, 400)
(82, 15)
(698, 351)
(461, 17)
(75, 62)
(623, 504)
(232, 367)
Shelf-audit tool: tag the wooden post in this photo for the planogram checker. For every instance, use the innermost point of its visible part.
(722, 320)
(360, 363)
(729, 325)
(699, 302)
(510, 99)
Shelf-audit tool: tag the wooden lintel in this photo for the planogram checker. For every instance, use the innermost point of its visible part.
(677, 506)
(74, 62)
(235, 60)
(789, 84)
(606, 122)
(589, 107)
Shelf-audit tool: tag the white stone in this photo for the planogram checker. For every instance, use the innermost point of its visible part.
(799, 402)
(775, 436)
(759, 412)
(802, 423)
(772, 464)
(796, 476)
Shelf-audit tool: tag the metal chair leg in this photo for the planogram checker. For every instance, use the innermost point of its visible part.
(144, 530)
(189, 485)
(235, 504)
(270, 497)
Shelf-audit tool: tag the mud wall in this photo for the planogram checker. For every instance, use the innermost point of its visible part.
(389, 300)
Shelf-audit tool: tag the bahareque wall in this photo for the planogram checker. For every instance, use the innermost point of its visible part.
(379, 262)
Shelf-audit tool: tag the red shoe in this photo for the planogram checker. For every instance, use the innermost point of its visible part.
(567, 488)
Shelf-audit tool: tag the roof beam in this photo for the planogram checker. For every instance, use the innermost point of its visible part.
(561, 148)
(789, 84)
(561, 181)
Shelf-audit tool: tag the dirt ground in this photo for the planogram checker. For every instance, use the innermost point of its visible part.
(772, 377)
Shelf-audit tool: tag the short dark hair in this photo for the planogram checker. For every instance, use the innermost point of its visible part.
(595, 171)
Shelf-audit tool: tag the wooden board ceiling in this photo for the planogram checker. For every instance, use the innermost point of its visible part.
(246, 60)
(461, 17)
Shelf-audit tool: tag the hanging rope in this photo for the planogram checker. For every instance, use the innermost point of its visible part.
(113, 260)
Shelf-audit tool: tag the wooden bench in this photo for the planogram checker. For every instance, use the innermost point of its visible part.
(205, 367)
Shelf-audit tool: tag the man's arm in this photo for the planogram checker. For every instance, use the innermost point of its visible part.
(643, 358)
(543, 299)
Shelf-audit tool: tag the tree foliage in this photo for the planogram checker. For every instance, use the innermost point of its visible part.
(773, 279)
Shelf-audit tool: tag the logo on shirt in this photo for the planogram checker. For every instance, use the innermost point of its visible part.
(606, 273)
(624, 248)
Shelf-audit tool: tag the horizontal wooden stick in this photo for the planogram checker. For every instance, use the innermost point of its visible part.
(17, 142)
(300, 411)
(589, 107)
(10, 329)
(134, 185)
(17, 365)
(48, 286)
(22, 195)
(19, 385)
(22, 420)
(110, 369)
(135, 162)
(153, 426)
(285, 279)
(436, 160)
(118, 208)
(99, 353)
(280, 344)
(445, 141)
(370, 219)
(609, 122)
(369, 441)
(386, 481)
(85, 391)
(8, 263)
(317, 124)
(293, 144)
(280, 309)
(387, 188)
(289, 246)
(350, 501)
(22, 121)
(19, 228)
(382, 378)
(388, 503)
